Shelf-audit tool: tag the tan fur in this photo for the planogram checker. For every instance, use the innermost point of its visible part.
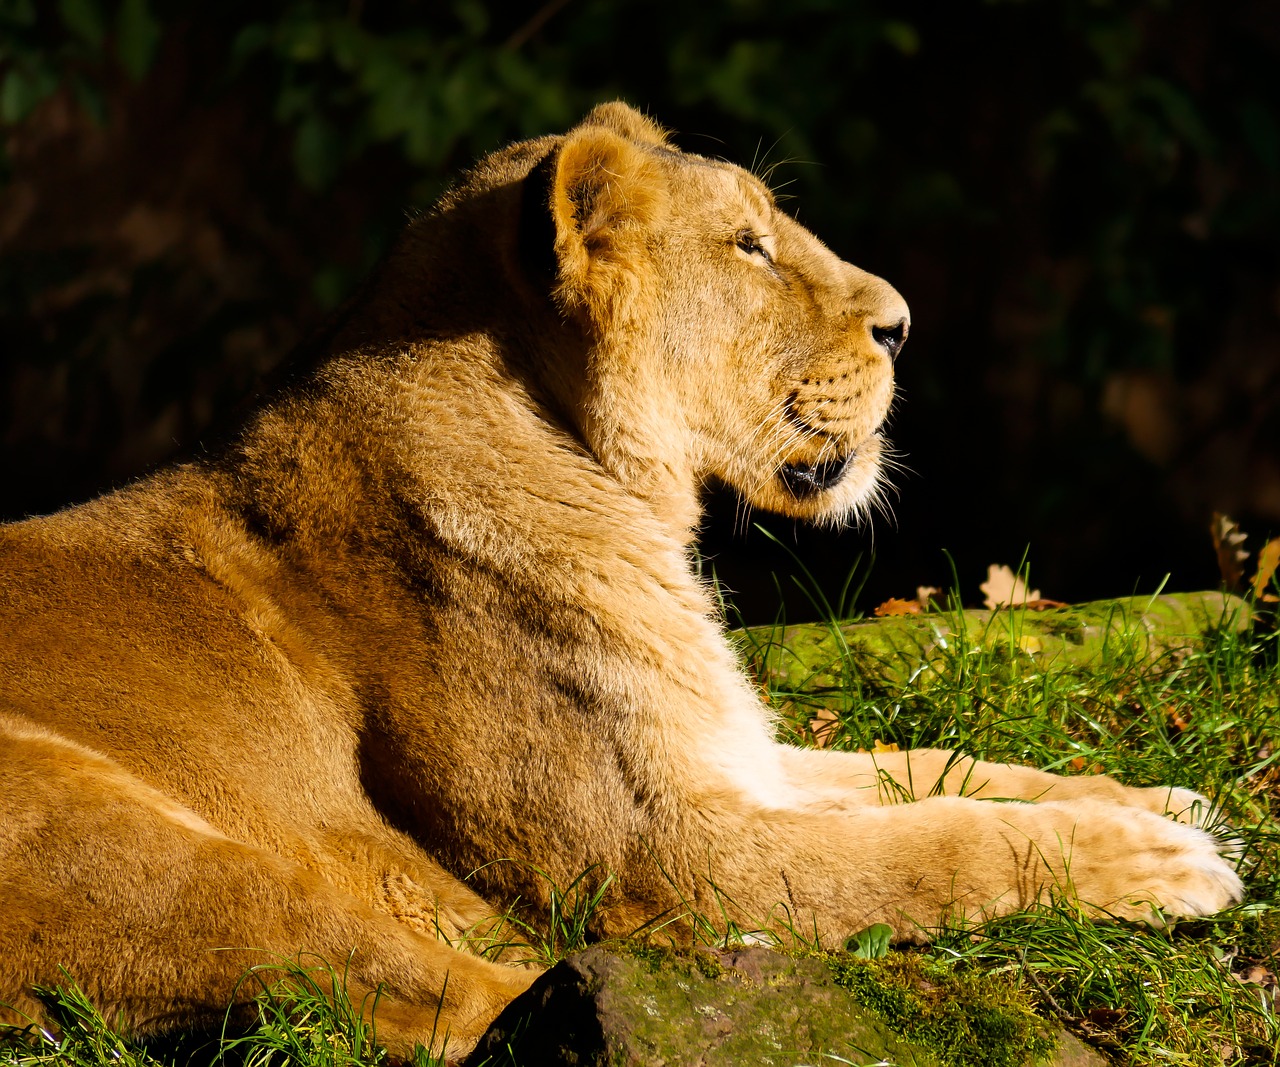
(431, 611)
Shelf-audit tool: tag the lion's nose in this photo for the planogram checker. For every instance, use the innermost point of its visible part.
(891, 338)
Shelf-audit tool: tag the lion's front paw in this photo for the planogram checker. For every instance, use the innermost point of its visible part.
(1138, 865)
(1185, 805)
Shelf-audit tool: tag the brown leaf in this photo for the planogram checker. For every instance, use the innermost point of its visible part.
(896, 606)
(1256, 974)
(925, 594)
(824, 725)
(1003, 588)
(1227, 540)
(1108, 1017)
(1268, 560)
(1045, 604)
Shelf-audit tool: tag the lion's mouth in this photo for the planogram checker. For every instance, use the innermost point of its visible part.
(804, 480)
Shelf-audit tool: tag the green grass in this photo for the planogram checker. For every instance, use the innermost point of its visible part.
(1197, 993)
(1207, 718)
(302, 1017)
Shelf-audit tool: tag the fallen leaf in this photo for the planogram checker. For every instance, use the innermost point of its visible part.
(897, 606)
(1030, 644)
(1179, 718)
(1108, 1017)
(1255, 974)
(1268, 561)
(1003, 588)
(884, 746)
(1045, 604)
(824, 725)
(1227, 540)
(925, 594)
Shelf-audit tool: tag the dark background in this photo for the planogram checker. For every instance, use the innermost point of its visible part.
(1081, 202)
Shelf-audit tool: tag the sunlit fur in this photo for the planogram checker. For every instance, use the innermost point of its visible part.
(429, 615)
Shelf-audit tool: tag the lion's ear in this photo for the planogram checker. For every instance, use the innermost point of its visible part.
(607, 194)
(624, 119)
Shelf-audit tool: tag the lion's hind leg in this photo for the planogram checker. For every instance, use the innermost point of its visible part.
(157, 916)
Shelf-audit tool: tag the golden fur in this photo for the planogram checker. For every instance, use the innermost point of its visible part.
(431, 609)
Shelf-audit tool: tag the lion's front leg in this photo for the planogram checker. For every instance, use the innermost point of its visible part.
(844, 780)
(918, 865)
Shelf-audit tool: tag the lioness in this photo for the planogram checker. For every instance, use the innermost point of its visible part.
(432, 608)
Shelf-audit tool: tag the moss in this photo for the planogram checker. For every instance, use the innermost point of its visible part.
(968, 1019)
(1065, 624)
(665, 958)
(708, 964)
(654, 957)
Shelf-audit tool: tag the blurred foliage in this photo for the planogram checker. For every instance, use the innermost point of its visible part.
(1070, 192)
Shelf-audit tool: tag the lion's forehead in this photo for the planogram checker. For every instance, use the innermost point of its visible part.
(734, 197)
(715, 185)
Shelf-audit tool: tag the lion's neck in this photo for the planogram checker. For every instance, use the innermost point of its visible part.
(664, 484)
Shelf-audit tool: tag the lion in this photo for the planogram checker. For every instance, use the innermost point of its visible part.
(423, 636)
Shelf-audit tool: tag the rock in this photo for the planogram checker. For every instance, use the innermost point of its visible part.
(712, 1008)
(821, 659)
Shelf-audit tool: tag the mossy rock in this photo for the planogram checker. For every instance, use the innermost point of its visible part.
(637, 1007)
(824, 659)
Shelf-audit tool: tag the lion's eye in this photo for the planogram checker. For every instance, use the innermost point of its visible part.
(751, 244)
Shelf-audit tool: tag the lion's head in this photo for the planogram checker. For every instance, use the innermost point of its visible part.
(735, 344)
(717, 338)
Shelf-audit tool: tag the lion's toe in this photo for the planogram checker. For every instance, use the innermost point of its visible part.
(1186, 805)
(1186, 875)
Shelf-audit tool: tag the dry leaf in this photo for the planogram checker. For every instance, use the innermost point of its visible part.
(1268, 560)
(1256, 974)
(1179, 718)
(1227, 540)
(824, 725)
(1108, 1017)
(1003, 588)
(1045, 604)
(883, 746)
(896, 606)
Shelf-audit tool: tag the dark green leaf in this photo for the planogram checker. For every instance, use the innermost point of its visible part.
(89, 95)
(85, 19)
(317, 152)
(137, 35)
(23, 89)
(903, 37)
(252, 38)
(18, 12)
(1262, 133)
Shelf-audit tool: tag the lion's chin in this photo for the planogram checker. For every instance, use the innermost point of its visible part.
(833, 493)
